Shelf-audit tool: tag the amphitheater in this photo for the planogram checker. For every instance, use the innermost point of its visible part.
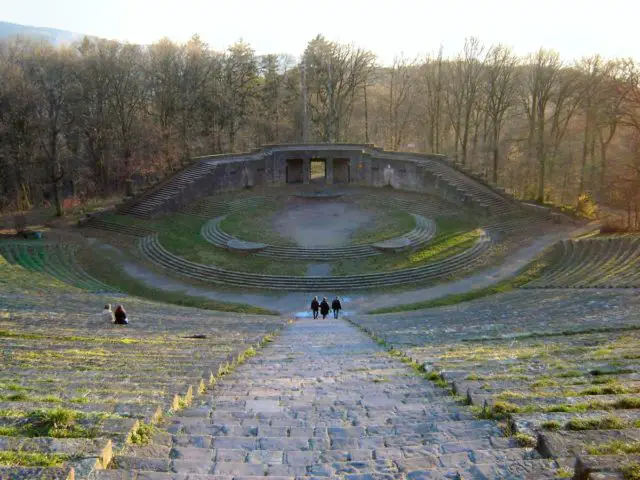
(481, 337)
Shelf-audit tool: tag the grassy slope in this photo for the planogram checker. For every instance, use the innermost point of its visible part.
(530, 272)
(180, 234)
(388, 224)
(255, 225)
(454, 235)
(106, 268)
(15, 279)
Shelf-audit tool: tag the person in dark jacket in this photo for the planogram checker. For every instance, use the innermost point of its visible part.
(120, 316)
(324, 307)
(315, 306)
(336, 306)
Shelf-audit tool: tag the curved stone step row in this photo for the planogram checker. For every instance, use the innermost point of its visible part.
(128, 375)
(428, 205)
(565, 380)
(212, 207)
(56, 260)
(422, 233)
(593, 263)
(117, 227)
(151, 248)
(517, 224)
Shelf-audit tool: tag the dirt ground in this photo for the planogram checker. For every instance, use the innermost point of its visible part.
(321, 224)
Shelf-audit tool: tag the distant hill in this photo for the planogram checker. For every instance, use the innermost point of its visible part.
(52, 35)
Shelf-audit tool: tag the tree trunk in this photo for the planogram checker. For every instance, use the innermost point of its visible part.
(496, 152)
(585, 150)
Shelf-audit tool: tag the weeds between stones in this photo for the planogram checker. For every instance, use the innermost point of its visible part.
(525, 441)
(142, 434)
(631, 471)
(32, 459)
(616, 447)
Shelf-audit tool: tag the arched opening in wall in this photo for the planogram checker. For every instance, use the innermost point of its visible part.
(341, 170)
(294, 171)
(318, 169)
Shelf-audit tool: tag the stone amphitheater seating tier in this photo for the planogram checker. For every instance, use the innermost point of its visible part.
(457, 184)
(151, 248)
(209, 174)
(59, 353)
(423, 232)
(538, 354)
(592, 263)
(57, 260)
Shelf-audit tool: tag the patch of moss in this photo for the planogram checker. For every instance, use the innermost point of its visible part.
(605, 423)
(631, 471)
(141, 435)
(615, 447)
(525, 441)
(31, 459)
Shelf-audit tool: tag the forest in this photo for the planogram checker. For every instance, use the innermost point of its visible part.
(80, 120)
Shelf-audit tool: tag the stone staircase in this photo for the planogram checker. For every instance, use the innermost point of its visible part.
(166, 193)
(325, 401)
(456, 185)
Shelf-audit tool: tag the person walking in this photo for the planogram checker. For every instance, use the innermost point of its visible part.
(324, 308)
(121, 316)
(315, 306)
(336, 306)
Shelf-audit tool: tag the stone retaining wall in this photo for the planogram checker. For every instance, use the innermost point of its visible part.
(344, 163)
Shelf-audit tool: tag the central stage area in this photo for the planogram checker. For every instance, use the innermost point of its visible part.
(321, 223)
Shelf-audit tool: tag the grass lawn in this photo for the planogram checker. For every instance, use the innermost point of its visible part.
(255, 224)
(106, 268)
(454, 235)
(180, 234)
(387, 224)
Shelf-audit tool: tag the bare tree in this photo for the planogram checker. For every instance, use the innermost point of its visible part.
(541, 77)
(400, 100)
(501, 94)
(51, 72)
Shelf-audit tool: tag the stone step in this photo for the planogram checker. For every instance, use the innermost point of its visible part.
(601, 467)
(44, 473)
(565, 444)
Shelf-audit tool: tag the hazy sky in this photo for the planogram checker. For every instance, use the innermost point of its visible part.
(575, 28)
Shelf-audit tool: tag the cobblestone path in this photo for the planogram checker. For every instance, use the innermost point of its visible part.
(324, 400)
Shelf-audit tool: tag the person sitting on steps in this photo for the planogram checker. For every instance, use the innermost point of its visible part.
(315, 306)
(107, 314)
(336, 306)
(121, 316)
(324, 307)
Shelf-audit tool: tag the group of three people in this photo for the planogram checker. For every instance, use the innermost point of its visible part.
(323, 307)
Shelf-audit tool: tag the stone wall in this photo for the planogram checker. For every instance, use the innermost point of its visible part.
(277, 165)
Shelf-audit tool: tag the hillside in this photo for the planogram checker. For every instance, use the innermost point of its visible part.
(53, 35)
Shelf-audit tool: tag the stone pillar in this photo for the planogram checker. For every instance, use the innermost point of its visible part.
(306, 170)
(328, 170)
(128, 187)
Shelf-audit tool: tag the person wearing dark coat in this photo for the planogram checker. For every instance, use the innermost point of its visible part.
(336, 306)
(120, 316)
(315, 306)
(324, 308)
